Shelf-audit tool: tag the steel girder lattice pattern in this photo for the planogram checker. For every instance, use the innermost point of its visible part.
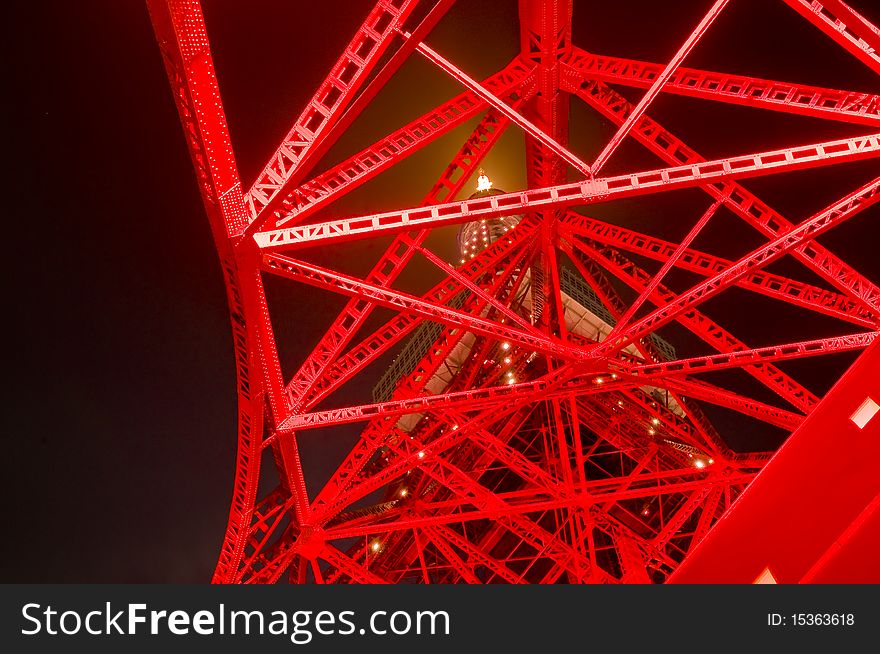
(538, 424)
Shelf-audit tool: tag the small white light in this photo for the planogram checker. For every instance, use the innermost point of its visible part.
(765, 577)
(511, 381)
(403, 492)
(699, 463)
(422, 454)
(375, 546)
(507, 360)
(651, 432)
(867, 410)
(505, 346)
(655, 421)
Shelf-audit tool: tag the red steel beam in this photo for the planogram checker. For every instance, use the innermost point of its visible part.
(848, 29)
(346, 77)
(774, 286)
(678, 519)
(356, 311)
(455, 276)
(268, 515)
(386, 336)
(475, 552)
(699, 324)
(180, 29)
(739, 200)
(478, 398)
(456, 511)
(612, 301)
(545, 41)
(349, 566)
(714, 362)
(835, 214)
(537, 390)
(656, 86)
(713, 394)
(671, 261)
(499, 105)
(512, 83)
(586, 192)
(756, 535)
(707, 516)
(376, 84)
(847, 106)
(345, 284)
(867, 31)
(465, 571)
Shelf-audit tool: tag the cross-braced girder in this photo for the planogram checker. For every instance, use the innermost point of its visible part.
(531, 429)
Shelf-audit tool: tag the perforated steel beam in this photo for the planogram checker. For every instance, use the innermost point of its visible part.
(794, 543)
(736, 198)
(656, 86)
(502, 107)
(512, 83)
(399, 253)
(337, 90)
(508, 255)
(327, 279)
(774, 286)
(722, 397)
(715, 362)
(587, 192)
(535, 434)
(698, 323)
(478, 398)
(855, 107)
(847, 28)
(840, 211)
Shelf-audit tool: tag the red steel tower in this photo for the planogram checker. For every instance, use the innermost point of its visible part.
(536, 425)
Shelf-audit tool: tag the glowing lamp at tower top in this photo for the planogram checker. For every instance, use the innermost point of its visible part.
(480, 234)
(483, 182)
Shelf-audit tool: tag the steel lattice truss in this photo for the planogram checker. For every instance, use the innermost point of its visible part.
(545, 453)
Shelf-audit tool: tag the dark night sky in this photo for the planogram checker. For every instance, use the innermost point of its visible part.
(120, 437)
